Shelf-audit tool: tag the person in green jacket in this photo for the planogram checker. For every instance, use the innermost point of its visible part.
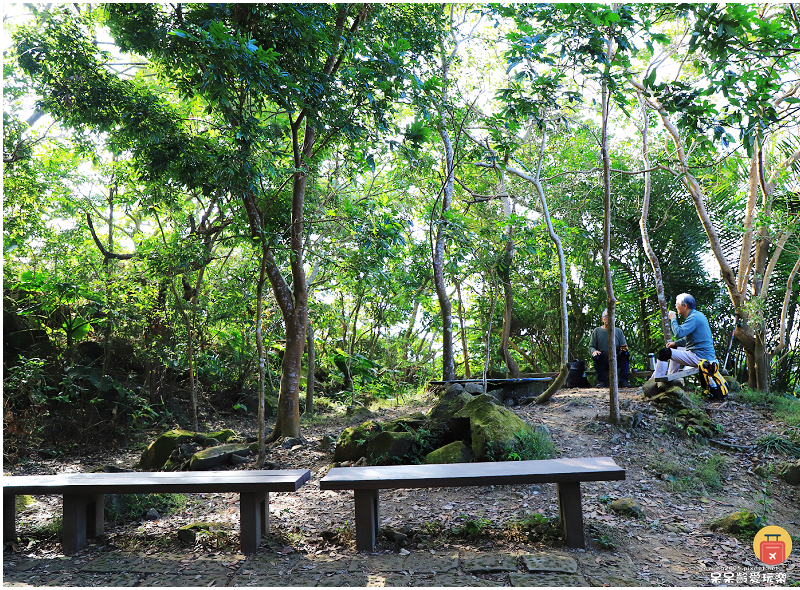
(694, 341)
(598, 347)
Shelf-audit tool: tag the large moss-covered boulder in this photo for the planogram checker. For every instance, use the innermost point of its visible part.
(407, 423)
(492, 427)
(159, 451)
(216, 456)
(449, 404)
(389, 446)
(352, 443)
(456, 452)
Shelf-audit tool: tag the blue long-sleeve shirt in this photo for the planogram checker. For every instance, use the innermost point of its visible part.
(696, 334)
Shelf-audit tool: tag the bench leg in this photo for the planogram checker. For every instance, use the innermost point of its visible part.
(9, 519)
(367, 519)
(253, 519)
(83, 517)
(569, 508)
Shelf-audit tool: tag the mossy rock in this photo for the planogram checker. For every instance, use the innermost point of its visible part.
(386, 446)
(628, 507)
(22, 501)
(410, 422)
(732, 385)
(449, 404)
(455, 452)
(360, 414)
(352, 443)
(737, 523)
(216, 456)
(492, 427)
(221, 435)
(790, 472)
(190, 532)
(157, 454)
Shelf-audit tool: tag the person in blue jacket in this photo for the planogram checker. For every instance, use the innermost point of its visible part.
(694, 342)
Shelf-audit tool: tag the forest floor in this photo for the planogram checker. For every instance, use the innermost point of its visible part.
(681, 485)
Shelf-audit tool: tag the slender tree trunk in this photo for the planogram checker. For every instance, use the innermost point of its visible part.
(467, 374)
(448, 365)
(613, 414)
(651, 255)
(262, 361)
(189, 355)
(312, 364)
(504, 272)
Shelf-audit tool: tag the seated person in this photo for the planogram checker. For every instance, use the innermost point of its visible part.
(598, 347)
(694, 339)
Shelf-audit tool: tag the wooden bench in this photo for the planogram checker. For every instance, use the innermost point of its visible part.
(366, 482)
(83, 497)
(677, 375)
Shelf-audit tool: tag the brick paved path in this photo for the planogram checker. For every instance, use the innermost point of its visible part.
(418, 568)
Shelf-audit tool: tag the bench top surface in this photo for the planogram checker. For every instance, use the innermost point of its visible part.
(472, 474)
(278, 480)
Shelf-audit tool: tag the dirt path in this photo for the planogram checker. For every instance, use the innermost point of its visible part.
(671, 478)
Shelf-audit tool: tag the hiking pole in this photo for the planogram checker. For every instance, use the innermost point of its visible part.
(730, 344)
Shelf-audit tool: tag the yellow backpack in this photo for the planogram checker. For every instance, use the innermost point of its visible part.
(712, 380)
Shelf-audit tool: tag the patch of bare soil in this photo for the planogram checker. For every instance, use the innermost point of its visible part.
(681, 485)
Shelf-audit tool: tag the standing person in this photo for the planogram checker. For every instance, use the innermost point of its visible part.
(598, 347)
(694, 339)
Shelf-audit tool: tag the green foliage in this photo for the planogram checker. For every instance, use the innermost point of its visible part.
(773, 443)
(531, 446)
(472, 527)
(129, 507)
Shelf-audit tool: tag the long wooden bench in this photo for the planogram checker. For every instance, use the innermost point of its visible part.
(83, 497)
(366, 482)
(677, 375)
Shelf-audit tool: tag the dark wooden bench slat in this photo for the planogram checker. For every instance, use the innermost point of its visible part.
(288, 480)
(472, 474)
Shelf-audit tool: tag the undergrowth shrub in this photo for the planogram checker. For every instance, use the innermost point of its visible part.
(128, 507)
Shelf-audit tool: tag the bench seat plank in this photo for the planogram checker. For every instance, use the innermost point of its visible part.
(83, 496)
(288, 480)
(366, 482)
(472, 474)
(677, 375)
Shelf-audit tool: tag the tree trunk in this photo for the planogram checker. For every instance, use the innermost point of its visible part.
(467, 374)
(448, 364)
(613, 413)
(262, 361)
(504, 272)
(663, 305)
(312, 364)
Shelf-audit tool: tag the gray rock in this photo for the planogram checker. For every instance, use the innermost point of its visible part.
(454, 390)
(238, 459)
(216, 456)
(473, 388)
(288, 443)
(790, 472)
(627, 506)
(542, 429)
(326, 442)
(152, 514)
